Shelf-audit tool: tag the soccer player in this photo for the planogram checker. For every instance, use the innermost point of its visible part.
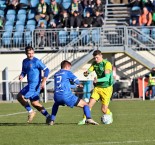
(103, 84)
(32, 67)
(63, 94)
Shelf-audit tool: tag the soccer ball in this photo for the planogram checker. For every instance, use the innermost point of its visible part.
(106, 119)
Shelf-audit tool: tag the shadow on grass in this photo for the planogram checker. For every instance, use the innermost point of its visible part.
(34, 124)
(22, 124)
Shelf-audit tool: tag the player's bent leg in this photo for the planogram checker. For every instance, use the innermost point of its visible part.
(41, 109)
(107, 117)
(21, 99)
(87, 113)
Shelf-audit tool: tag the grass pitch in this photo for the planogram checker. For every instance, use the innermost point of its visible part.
(134, 124)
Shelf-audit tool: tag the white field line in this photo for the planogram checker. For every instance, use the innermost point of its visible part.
(115, 142)
(12, 114)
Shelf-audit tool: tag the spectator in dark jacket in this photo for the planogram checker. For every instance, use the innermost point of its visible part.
(98, 20)
(64, 20)
(41, 11)
(87, 21)
(99, 7)
(76, 11)
(54, 10)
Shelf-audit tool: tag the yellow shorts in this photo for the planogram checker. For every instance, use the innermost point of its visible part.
(102, 93)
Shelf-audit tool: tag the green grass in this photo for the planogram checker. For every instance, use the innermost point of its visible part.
(134, 124)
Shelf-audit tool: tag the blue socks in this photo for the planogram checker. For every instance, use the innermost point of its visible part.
(86, 111)
(45, 113)
(28, 108)
(54, 111)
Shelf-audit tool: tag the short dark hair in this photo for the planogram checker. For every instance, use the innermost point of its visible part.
(64, 63)
(97, 52)
(28, 48)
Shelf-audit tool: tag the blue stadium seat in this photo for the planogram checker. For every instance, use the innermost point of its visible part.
(11, 12)
(34, 3)
(47, 1)
(20, 22)
(2, 4)
(9, 23)
(31, 22)
(66, 4)
(31, 16)
(1, 13)
(22, 11)
(63, 38)
(73, 35)
(6, 38)
(10, 17)
(24, 2)
(146, 32)
(86, 37)
(8, 28)
(18, 38)
(135, 11)
(96, 35)
(153, 33)
(18, 35)
(28, 34)
(30, 27)
(21, 17)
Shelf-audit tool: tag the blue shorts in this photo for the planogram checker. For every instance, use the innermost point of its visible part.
(31, 92)
(70, 100)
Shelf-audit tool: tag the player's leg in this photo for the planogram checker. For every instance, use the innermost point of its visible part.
(106, 94)
(86, 111)
(35, 103)
(153, 93)
(94, 97)
(21, 97)
(54, 112)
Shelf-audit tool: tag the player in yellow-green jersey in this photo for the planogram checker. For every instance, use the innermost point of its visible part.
(103, 86)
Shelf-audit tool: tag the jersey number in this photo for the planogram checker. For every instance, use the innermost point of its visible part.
(58, 81)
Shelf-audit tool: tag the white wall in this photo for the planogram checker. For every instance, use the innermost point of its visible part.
(14, 63)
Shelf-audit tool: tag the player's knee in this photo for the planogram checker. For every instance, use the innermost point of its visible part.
(19, 97)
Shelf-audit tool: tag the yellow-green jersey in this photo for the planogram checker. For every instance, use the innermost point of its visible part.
(100, 68)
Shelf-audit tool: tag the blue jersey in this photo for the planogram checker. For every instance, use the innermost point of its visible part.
(32, 68)
(62, 80)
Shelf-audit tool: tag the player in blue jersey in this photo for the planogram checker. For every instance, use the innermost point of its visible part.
(32, 67)
(63, 94)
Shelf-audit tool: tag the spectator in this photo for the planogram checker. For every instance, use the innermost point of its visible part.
(76, 11)
(134, 22)
(88, 3)
(41, 11)
(99, 7)
(98, 20)
(54, 10)
(151, 83)
(145, 19)
(2, 21)
(87, 21)
(64, 20)
(41, 35)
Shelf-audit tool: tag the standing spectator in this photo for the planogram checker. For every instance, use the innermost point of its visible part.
(99, 7)
(87, 21)
(41, 11)
(98, 20)
(145, 19)
(76, 11)
(151, 83)
(32, 67)
(134, 22)
(54, 10)
(41, 34)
